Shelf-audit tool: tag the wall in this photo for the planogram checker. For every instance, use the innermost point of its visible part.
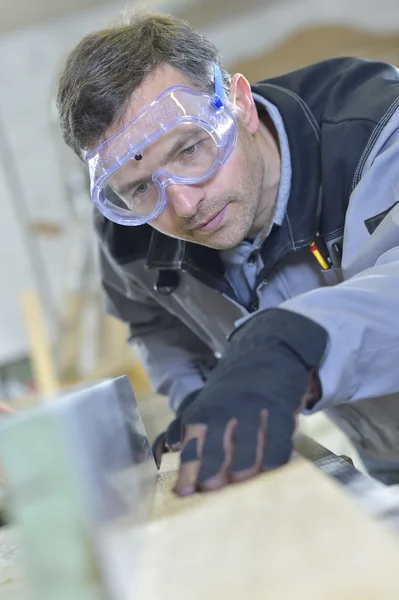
(29, 174)
(34, 193)
(24, 13)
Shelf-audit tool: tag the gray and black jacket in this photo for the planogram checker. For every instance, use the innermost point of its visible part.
(341, 119)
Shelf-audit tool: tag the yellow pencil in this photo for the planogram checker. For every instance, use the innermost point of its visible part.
(317, 254)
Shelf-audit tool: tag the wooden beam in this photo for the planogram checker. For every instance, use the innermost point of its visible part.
(40, 350)
(291, 534)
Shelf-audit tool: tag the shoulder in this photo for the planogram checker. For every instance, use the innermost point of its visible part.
(343, 88)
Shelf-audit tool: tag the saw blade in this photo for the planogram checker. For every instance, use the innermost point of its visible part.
(379, 500)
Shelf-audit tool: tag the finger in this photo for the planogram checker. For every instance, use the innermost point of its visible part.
(245, 444)
(189, 452)
(174, 435)
(216, 457)
(249, 447)
(278, 447)
(158, 448)
(190, 460)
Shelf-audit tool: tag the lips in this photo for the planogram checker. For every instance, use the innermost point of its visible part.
(211, 224)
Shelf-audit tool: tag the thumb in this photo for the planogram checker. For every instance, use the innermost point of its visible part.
(158, 448)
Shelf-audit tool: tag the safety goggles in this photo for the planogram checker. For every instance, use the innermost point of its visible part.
(182, 138)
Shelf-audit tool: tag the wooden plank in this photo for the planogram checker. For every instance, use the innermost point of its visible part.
(70, 339)
(40, 351)
(289, 534)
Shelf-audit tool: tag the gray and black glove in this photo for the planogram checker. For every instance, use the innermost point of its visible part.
(171, 439)
(260, 385)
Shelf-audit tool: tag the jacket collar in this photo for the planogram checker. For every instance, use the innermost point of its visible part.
(304, 205)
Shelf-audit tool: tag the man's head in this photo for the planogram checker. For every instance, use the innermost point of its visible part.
(113, 75)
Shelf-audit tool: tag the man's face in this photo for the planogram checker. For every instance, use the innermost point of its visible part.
(235, 203)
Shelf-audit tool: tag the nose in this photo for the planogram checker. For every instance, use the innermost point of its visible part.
(184, 199)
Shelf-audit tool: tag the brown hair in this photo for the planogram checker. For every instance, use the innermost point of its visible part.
(106, 67)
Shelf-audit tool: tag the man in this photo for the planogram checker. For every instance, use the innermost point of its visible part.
(249, 238)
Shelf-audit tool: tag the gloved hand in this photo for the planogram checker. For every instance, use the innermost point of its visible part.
(242, 422)
(171, 439)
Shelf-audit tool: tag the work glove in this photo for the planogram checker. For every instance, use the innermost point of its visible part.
(242, 421)
(171, 439)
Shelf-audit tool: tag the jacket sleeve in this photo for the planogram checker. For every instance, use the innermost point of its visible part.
(176, 360)
(361, 314)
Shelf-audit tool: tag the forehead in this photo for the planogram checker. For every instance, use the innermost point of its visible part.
(153, 85)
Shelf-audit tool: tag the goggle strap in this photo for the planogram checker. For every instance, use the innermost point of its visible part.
(218, 97)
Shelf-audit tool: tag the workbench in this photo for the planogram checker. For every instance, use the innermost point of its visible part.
(293, 533)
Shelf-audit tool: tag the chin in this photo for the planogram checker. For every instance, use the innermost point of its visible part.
(223, 239)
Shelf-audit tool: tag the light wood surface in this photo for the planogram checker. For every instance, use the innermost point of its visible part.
(292, 534)
(41, 355)
(289, 535)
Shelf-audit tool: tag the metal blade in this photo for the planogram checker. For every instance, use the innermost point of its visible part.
(80, 473)
(379, 500)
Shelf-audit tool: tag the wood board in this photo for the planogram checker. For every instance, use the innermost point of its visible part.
(289, 534)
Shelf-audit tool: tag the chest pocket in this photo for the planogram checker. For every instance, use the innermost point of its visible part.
(299, 273)
(333, 275)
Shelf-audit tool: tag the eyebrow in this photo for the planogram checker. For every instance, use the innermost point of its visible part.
(178, 145)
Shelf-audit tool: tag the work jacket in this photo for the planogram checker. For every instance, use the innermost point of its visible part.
(341, 120)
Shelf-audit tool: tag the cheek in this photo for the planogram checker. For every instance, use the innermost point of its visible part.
(228, 177)
(234, 166)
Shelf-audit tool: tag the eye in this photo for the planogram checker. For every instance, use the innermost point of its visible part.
(142, 189)
(190, 150)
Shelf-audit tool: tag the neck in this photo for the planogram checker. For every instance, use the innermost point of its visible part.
(269, 149)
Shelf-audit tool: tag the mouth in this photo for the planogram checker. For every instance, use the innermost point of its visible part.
(212, 224)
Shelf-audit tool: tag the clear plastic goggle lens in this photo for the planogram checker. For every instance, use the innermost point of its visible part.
(183, 137)
(185, 154)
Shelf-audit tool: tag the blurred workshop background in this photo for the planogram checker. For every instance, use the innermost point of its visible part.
(52, 331)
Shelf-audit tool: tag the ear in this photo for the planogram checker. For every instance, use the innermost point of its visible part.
(241, 97)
